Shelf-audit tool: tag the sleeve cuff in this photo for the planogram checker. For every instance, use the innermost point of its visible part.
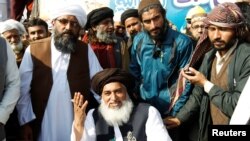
(208, 86)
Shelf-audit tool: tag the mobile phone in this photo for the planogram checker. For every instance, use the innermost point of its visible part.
(188, 72)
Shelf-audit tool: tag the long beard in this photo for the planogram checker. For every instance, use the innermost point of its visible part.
(105, 37)
(17, 47)
(65, 42)
(117, 116)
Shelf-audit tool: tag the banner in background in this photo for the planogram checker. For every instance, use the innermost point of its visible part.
(176, 9)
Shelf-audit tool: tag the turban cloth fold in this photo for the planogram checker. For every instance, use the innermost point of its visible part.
(70, 9)
(12, 24)
(225, 15)
(113, 75)
(97, 15)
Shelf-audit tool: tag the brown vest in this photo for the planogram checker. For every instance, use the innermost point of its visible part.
(220, 79)
(42, 81)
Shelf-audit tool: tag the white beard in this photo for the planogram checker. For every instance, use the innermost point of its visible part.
(17, 48)
(117, 116)
(105, 37)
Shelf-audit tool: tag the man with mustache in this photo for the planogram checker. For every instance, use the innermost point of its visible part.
(51, 71)
(223, 73)
(197, 27)
(118, 117)
(158, 54)
(130, 19)
(37, 29)
(110, 50)
(13, 31)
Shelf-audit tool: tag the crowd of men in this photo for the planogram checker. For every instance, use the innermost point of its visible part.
(98, 77)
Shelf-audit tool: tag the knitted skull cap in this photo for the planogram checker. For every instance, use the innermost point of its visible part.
(146, 3)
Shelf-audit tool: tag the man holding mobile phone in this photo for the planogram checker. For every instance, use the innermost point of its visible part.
(223, 72)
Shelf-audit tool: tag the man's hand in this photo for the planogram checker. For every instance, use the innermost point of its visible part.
(171, 122)
(26, 132)
(194, 76)
(79, 114)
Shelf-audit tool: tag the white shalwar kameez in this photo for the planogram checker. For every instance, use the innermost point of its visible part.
(58, 116)
(155, 129)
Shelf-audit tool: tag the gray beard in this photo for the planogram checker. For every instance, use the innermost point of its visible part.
(65, 44)
(117, 116)
(17, 48)
(105, 37)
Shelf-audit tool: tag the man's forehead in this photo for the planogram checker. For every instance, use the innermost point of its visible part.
(68, 17)
(36, 27)
(151, 13)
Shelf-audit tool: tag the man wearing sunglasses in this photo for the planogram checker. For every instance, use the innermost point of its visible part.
(52, 70)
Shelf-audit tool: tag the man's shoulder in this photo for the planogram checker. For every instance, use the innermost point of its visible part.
(177, 35)
(243, 48)
(141, 36)
(244, 45)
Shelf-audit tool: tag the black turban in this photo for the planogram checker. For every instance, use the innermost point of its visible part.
(97, 15)
(109, 75)
(129, 13)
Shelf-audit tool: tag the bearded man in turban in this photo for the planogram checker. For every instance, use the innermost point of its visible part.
(118, 117)
(223, 73)
(13, 31)
(51, 71)
(110, 49)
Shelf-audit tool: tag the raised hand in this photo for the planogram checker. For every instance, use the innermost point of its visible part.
(79, 113)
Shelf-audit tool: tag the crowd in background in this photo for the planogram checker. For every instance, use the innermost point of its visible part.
(130, 76)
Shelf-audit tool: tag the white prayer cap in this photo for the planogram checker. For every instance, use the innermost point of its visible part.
(70, 9)
(12, 24)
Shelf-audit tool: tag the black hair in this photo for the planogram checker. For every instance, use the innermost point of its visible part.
(157, 6)
(36, 22)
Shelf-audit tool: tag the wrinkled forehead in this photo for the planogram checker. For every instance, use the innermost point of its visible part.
(10, 32)
(68, 17)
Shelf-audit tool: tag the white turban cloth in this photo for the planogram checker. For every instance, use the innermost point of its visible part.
(12, 24)
(70, 9)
